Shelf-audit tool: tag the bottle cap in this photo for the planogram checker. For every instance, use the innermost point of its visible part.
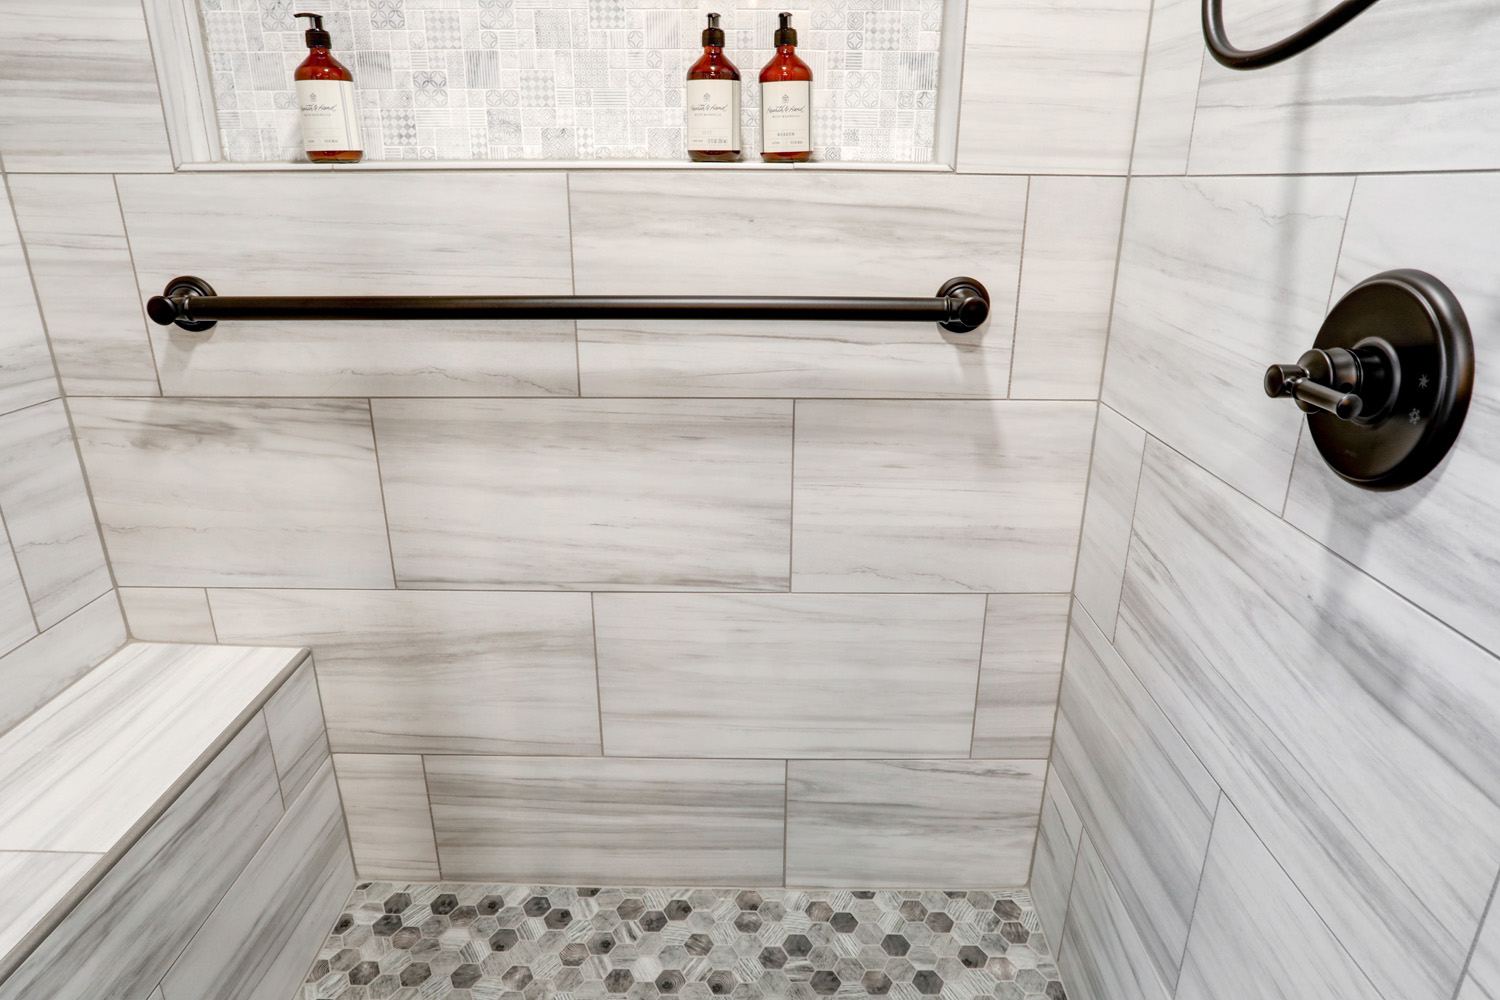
(713, 34)
(316, 36)
(786, 34)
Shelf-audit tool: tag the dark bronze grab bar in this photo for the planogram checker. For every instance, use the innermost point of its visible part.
(960, 306)
(1227, 54)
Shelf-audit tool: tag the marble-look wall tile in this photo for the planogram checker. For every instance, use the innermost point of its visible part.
(1220, 277)
(1472, 990)
(1102, 957)
(1175, 54)
(588, 494)
(788, 675)
(17, 624)
(123, 936)
(1050, 87)
(299, 742)
(1349, 106)
(35, 882)
(855, 234)
(168, 614)
(390, 824)
(198, 492)
(439, 672)
(1114, 477)
(260, 939)
(81, 262)
(1318, 698)
(396, 233)
(939, 495)
(1059, 832)
(1483, 980)
(580, 820)
(1254, 936)
(31, 674)
(47, 511)
(1146, 800)
(1067, 281)
(26, 375)
(1436, 542)
(912, 823)
(1018, 676)
(102, 114)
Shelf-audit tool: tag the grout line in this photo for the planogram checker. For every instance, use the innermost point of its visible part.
(984, 625)
(214, 624)
(16, 561)
(135, 276)
(431, 817)
(271, 749)
(1135, 499)
(1484, 918)
(1198, 888)
(1015, 319)
(390, 546)
(598, 682)
(786, 815)
(573, 285)
(791, 511)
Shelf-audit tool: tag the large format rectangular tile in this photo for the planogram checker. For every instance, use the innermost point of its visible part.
(946, 495)
(27, 376)
(1114, 476)
(294, 718)
(1436, 542)
(1058, 835)
(198, 492)
(47, 512)
(1348, 106)
(588, 494)
(260, 939)
(34, 672)
(1102, 957)
(1067, 283)
(1050, 87)
(103, 114)
(855, 234)
(1018, 676)
(1220, 277)
(35, 882)
(75, 240)
(1344, 722)
(1248, 912)
(1175, 56)
(912, 823)
(1483, 979)
(581, 820)
(788, 675)
(441, 672)
(123, 936)
(168, 614)
(393, 233)
(390, 824)
(1145, 799)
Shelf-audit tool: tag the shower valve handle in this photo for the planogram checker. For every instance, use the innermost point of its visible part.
(1321, 380)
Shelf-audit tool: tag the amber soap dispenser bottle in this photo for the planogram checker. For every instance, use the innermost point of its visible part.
(786, 101)
(713, 101)
(325, 96)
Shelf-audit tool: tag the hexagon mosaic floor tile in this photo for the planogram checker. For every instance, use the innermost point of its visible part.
(468, 941)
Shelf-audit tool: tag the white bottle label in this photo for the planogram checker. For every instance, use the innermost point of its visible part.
(786, 116)
(330, 117)
(713, 115)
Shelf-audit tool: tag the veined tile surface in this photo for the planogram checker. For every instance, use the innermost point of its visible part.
(390, 823)
(416, 233)
(1100, 953)
(939, 495)
(1316, 698)
(479, 80)
(195, 492)
(33, 672)
(856, 234)
(294, 718)
(654, 820)
(1050, 88)
(1018, 675)
(1175, 55)
(1059, 833)
(36, 881)
(452, 940)
(788, 675)
(911, 822)
(27, 377)
(168, 614)
(1483, 979)
(588, 494)
(1114, 476)
(16, 622)
(449, 672)
(133, 726)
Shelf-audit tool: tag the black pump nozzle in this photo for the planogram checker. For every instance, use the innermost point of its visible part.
(786, 34)
(316, 36)
(713, 34)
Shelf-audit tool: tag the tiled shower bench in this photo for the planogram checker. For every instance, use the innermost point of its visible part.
(170, 830)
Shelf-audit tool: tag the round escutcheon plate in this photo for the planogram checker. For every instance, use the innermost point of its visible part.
(1418, 322)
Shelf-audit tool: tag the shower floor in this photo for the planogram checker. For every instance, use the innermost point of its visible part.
(474, 941)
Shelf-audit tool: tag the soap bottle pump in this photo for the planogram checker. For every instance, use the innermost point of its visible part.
(325, 96)
(786, 101)
(713, 101)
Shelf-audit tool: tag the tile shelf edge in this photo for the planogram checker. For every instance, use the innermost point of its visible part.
(507, 165)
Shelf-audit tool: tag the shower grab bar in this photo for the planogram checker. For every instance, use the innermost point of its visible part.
(960, 306)
(1235, 58)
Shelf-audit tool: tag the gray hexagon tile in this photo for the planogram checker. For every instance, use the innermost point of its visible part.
(470, 941)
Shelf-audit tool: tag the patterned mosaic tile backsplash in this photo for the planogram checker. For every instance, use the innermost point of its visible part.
(466, 941)
(570, 79)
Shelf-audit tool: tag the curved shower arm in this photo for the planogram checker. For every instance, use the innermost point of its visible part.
(1234, 58)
